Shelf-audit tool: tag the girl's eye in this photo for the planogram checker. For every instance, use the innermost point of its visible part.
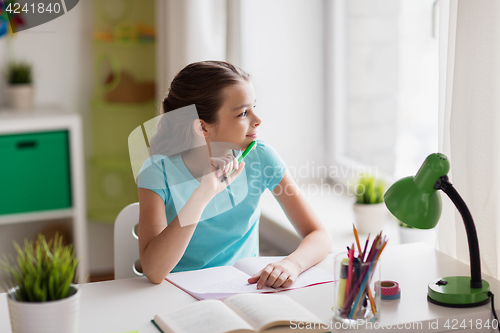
(244, 113)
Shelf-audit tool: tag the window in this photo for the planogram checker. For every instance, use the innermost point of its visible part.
(383, 108)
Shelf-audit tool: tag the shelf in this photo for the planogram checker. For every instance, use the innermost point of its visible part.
(116, 162)
(37, 216)
(139, 43)
(123, 107)
(113, 187)
(104, 216)
(124, 53)
(112, 124)
(40, 119)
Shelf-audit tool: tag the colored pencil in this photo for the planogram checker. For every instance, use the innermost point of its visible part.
(358, 284)
(370, 297)
(382, 249)
(366, 245)
(357, 238)
(372, 301)
(364, 285)
(349, 272)
(373, 247)
(353, 291)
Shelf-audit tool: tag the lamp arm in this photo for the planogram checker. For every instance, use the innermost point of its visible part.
(444, 184)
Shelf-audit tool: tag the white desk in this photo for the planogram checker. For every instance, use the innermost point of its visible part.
(130, 304)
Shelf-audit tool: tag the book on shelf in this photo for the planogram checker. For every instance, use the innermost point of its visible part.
(241, 313)
(224, 281)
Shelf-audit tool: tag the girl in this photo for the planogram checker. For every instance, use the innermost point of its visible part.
(182, 225)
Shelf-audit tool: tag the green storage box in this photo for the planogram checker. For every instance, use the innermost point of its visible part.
(34, 172)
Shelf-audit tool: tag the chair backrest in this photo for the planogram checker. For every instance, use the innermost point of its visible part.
(126, 242)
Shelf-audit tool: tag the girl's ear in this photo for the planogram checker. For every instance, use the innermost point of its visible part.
(200, 128)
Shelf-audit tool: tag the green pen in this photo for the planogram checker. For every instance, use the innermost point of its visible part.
(241, 158)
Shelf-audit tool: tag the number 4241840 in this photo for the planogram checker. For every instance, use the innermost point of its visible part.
(39, 8)
(454, 324)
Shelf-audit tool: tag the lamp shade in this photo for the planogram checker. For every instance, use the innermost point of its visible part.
(414, 200)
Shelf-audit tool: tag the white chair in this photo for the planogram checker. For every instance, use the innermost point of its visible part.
(126, 243)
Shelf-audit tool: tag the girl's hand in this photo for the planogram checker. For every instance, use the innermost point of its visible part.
(277, 274)
(224, 165)
(211, 183)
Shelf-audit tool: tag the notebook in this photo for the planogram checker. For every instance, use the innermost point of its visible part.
(224, 281)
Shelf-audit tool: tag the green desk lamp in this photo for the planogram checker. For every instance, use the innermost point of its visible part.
(416, 202)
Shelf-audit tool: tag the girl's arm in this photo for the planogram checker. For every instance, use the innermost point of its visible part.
(314, 247)
(161, 246)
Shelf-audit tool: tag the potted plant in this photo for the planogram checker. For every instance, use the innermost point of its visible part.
(41, 294)
(369, 210)
(20, 86)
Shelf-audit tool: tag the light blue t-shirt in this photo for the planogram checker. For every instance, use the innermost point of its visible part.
(228, 229)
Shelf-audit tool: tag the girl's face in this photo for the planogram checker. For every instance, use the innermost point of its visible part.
(237, 121)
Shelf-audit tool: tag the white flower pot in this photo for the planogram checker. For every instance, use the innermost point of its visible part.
(20, 96)
(412, 235)
(370, 218)
(59, 316)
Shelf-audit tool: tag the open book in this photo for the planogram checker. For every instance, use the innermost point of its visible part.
(224, 281)
(241, 313)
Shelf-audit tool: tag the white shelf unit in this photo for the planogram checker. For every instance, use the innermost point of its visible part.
(46, 119)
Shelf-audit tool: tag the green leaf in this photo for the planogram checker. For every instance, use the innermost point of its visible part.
(369, 190)
(19, 73)
(42, 270)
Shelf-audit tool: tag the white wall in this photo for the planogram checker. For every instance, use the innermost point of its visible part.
(283, 52)
(61, 53)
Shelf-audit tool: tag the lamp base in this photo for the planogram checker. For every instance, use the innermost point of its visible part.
(455, 292)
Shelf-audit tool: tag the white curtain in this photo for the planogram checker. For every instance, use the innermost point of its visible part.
(470, 124)
(194, 30)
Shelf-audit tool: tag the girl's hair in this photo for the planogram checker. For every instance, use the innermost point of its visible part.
(202, 84)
